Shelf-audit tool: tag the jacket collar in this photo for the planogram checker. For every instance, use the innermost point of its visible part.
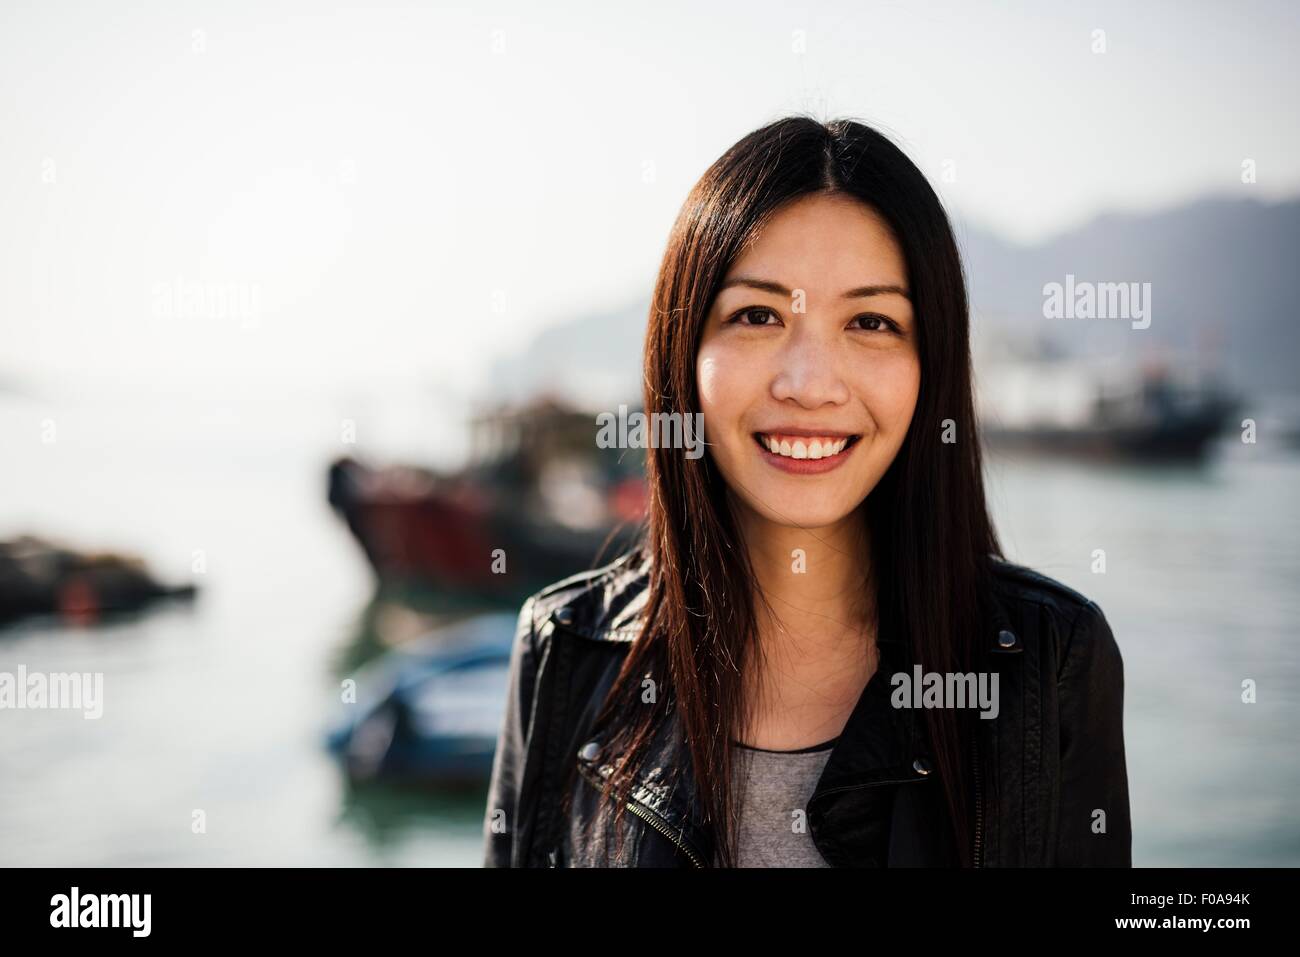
(880, 744)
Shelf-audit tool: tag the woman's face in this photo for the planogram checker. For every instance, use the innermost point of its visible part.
(807, 368)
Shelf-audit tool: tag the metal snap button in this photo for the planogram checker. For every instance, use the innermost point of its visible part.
(1007, 639)
(921, 766)
(589, 751)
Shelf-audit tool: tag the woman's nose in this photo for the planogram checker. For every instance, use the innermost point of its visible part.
(808, 372)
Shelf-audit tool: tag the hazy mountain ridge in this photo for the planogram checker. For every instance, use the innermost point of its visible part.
(1220, 271)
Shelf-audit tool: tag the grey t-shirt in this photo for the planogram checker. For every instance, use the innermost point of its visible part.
(773, 791)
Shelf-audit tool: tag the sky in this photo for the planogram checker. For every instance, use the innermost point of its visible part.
(267, 196)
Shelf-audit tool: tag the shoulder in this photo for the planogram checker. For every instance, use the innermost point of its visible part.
(1066, 625)
(1023, 587)
(602, 603)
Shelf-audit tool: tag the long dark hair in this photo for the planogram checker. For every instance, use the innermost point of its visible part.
(932, 542)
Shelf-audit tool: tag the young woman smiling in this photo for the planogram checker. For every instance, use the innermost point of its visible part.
(721, 696)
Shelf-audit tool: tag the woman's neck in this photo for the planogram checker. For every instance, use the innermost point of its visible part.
(814, 614)
(817, 581)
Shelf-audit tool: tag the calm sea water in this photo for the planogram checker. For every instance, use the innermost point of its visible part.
(221, 706)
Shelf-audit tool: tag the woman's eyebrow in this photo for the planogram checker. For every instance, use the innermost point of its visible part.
(768, 285)
(882, 290)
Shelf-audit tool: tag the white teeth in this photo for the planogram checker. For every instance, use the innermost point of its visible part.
(804, 449)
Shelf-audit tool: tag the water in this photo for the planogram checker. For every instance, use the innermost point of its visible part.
(1201, 591)
(220, 707)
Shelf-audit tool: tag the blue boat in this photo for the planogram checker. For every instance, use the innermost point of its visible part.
(429, 712)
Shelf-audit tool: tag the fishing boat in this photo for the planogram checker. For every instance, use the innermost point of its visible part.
(43, 578)
(538, 500)
(428, 713)
(1097, 409)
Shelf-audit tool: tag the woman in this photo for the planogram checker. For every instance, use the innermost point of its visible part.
(817, 656)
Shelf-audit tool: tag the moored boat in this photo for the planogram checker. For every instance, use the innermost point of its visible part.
(1082, 408)
(538, 501)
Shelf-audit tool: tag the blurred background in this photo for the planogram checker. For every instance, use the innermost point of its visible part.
(306, 312)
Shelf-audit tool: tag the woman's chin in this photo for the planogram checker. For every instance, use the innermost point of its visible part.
(796, 510)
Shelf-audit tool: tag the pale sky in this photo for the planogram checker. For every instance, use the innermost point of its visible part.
(402, 194)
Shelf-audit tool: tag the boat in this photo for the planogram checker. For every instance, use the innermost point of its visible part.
(40, 577)
(1155, 411)
(537, 501)
(428, 713)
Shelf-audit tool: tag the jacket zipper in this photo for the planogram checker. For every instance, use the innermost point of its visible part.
(979, 803)
(653, 820)
(645, 814)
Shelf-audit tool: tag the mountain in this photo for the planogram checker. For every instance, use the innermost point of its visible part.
(1221, 274)
(592, 360)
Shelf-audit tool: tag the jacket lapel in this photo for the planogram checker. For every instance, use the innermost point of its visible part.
(664, 789)
(857, 814)
(877, 747)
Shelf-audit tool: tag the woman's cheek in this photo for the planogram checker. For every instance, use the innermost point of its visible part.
(721, 381)
(707, 376)
(892, 397)
(721, 378)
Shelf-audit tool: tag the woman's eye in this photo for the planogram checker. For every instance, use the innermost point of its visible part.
(761, 317)
(871, 323)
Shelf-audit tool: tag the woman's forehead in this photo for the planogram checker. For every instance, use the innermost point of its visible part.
(825, 243)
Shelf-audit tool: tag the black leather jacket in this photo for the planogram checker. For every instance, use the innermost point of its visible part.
(1047, 764)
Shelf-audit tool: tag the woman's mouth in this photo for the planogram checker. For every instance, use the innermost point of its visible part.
(805, 454)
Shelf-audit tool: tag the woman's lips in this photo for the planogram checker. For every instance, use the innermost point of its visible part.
(805, 466)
